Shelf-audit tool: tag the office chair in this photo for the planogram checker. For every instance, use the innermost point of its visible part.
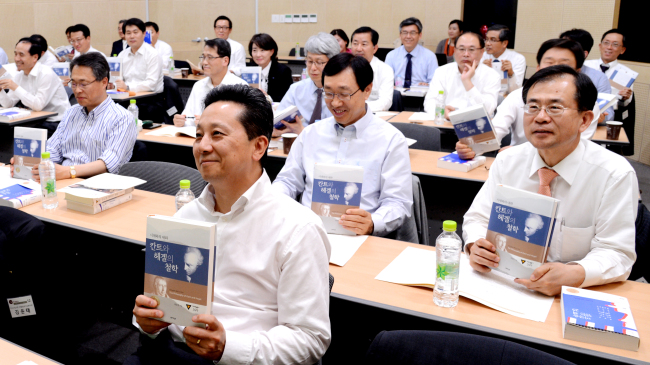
(164, 177)
(428, 138)
(398, 104)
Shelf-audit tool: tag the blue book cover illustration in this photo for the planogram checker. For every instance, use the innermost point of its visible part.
(115, 65)
(453, 162)
(29, 143)
(521, 227)
(336, 189)
(179, 267)
(474, 129)
(19, 195)
(62, 69)
(15, 192)
(251, 75)
(288, 115)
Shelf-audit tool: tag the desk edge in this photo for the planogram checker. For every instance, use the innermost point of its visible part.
(99, 233)
(28, 350)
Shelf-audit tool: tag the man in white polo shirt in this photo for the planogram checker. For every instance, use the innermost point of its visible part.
(222, 29)
(364, 43)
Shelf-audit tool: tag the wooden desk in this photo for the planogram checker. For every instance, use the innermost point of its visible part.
(34, 117)
(7, 132)
(403, 117)
(355, 282)
(189, 78)
(176, 141)
(138, 95)
(601, 137)
(12, 354)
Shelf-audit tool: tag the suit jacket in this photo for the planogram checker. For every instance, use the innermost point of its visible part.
(279, 80)
(117, 48)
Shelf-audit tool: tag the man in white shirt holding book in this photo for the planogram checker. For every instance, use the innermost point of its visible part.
(365, 43)
(496, 48)
(271, 297)
(214, 60)
(594, 234)
(80, 40)
(164, 49)
(467, 81)
(222, 29)
(611, 46)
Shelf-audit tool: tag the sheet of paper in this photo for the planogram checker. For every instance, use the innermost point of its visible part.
(413, 266)
(624, 77)
(172, 131)
(111, 181)
(410, 141)
(28, 362)
(422, 116)
(385, 114)
(344, 247)
(6, 180)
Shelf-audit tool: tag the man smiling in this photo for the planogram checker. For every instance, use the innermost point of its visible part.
(222, 29)
(354, 136)
(413, 64)
(364, 43)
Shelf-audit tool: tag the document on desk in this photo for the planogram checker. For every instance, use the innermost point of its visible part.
(423, 116)
(416, 267)
(344, 247)
(111, 181)
(174, 132)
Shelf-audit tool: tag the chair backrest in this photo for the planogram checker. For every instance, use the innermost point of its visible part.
(292, 52)
(641, 267)
(428, 138)
(181, 64)
(172, 98)
(71, 98)
(429, 347)
(442, 59)
(414, 229)
(398, 104)
(331, 283)
(164, 177)
(382, 53)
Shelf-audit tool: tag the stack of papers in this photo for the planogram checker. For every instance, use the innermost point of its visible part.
(423, 116)
(344, 247)
(174, 131)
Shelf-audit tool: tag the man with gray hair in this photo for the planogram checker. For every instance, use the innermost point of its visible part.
(307, 94)
(413, 64)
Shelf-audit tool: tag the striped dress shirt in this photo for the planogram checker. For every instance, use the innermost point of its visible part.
(107, 133)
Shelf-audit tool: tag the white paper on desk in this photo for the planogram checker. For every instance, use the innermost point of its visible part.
(344, 247)
(28, 362)
(174, 131)
(385, 114)
(6, 180)
(274, 145)
(410, 141)
(111, 181)
(414, 266)
(423, 116)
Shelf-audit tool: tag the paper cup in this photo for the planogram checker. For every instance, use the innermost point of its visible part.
(614, 130)
(287, 141)
(185, 72)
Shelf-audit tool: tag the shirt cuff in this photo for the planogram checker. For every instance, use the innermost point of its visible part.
(380, 225)
(20, 93)
(150, 335)
(593, 274)
(471, 238)
(238, 348)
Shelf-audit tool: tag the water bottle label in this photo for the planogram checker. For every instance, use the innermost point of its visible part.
(447, 271)
(49, 189)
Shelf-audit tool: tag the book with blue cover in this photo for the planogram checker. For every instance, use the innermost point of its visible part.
(453, 162)
(62, 69)
(289, 115)
(336, 189)
(115, 65)
(179, 267)
(521, 227)
(20, 195)
(29, 143)
(252, 75)
(598, 318)
(606, 100)
(474, 129)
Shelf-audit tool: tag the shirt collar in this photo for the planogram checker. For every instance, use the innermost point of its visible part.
(357, 127)
(99, 108)
(36, 70)
(567, 168)
(415, 52)
(611, 64)
(257, 191)
(140, 50)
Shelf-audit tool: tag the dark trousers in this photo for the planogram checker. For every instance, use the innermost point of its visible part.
(163, 350)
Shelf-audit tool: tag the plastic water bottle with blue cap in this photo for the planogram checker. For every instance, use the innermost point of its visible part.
(448, 248)
(47, 173)
(185, 195)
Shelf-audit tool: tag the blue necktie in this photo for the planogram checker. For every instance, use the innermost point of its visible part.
(407, 74)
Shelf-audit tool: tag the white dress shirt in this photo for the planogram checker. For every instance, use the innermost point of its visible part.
(107, 133)
(264, 80)
(3, 57)
(271, 277)
(237, 57)
(194, 105)
(48, 59)
(518, 64)
(486, 81)
(91, 49)
(377, 146)
(381, 97)
(142, 71)
(598, 192)
(41, 90)
(510, 119)
(595, 64)
(303, 95)
(165, 52)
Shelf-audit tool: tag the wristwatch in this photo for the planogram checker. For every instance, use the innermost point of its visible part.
(73, 172)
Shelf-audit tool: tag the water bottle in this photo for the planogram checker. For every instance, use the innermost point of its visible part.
(440, 108)
(47, 173)
(133, 109)
(304, 74)
(298, 51)
(184, 195)
(172, 69)
(448, 247)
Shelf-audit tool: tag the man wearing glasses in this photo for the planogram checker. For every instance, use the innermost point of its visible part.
(214, 60)
(80, 40)
(95, 136)
(593, 239)
(612, 45)
(307, 94)
(467, 81)
(413, 64)
(222, 29)
(354, 136)
(498, 56)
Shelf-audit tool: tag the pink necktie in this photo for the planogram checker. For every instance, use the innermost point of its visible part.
(546, 175)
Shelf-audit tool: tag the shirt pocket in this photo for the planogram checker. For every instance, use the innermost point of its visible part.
(576, 242)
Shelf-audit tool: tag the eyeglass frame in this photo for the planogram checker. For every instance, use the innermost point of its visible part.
(613, 45)
(489, 40)
(526, 108)
(74, 85)
(412, 33)
(307, 63)
(210, 58)
(218, 27)
(464, 50)
(347, 97)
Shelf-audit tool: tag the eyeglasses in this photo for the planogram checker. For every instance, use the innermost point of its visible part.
(357, 44)
(78, 40)
(342, 97)
(221, 28)
(412, 33)
(614, 45)
(317, 63)
(209, 58)
(553, 110)
(469, 50)
(492, 40)
(74, 85)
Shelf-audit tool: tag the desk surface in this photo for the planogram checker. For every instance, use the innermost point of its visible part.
(190, 78)
(403, 117)
(126, 222)
(31, 118)
(183, 140)
(356, 281)
(13, 354)
(601, 136)
(138, 95)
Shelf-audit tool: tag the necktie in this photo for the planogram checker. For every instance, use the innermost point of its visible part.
(546, 175)
(318, 108)
(407, 74)
(604, 67)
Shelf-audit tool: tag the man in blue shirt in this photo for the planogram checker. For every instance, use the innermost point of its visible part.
(413, 64)
(3, 57)
(307, 94)
(354, 136)
(599, 79)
